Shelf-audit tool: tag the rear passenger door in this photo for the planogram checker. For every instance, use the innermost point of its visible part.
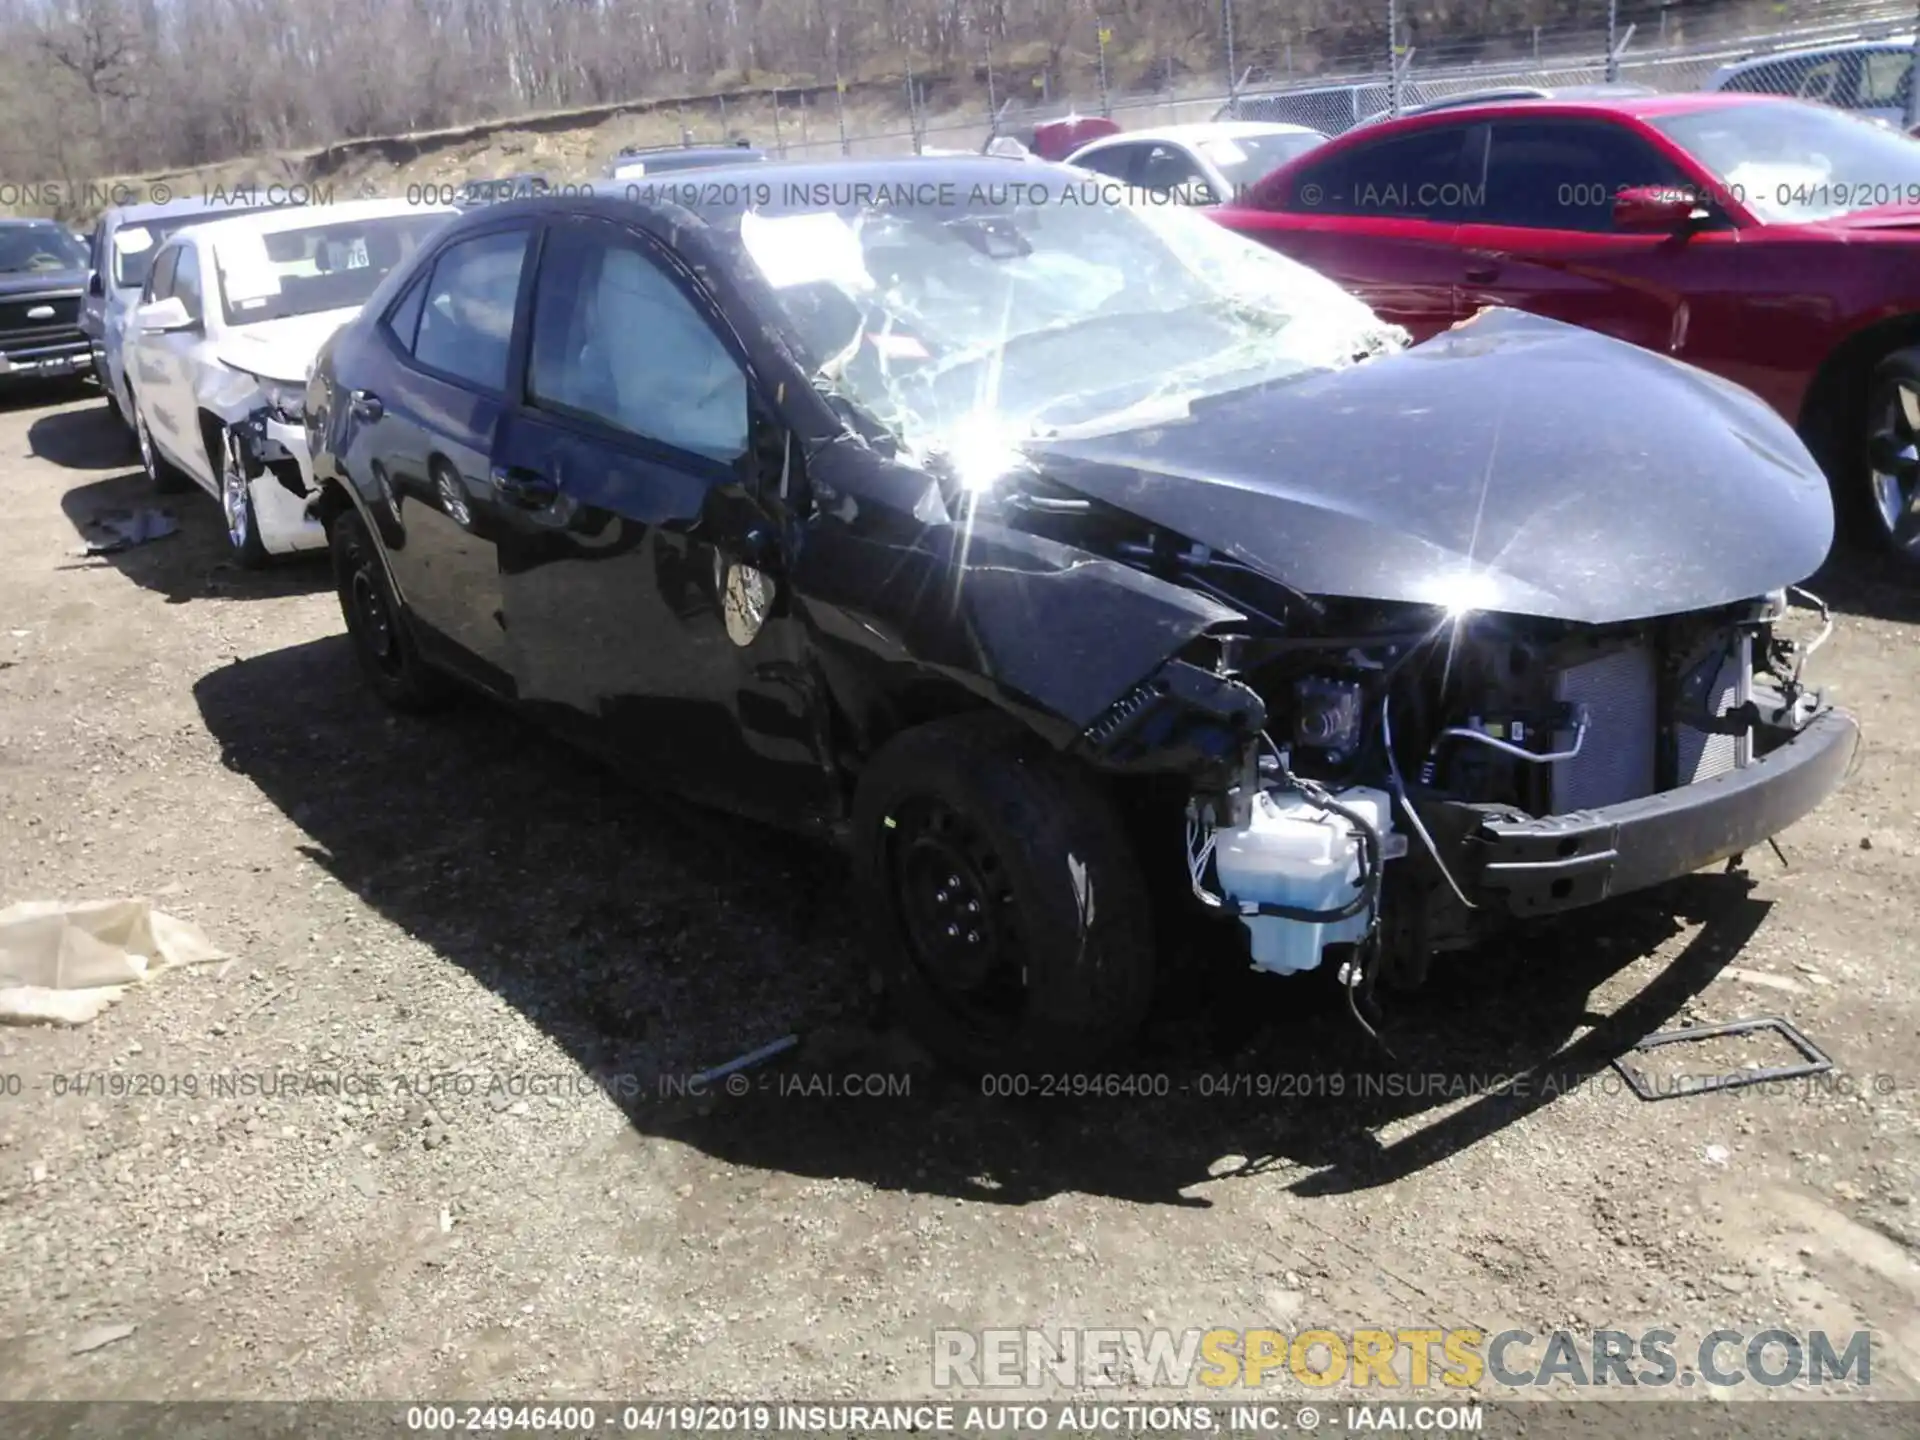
(639, 535)
(425, 440)
(1379, 215)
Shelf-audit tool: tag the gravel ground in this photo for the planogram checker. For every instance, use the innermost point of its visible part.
(408, 902)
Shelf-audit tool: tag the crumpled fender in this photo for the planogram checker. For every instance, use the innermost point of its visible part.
(227, 394)
(1044, 630)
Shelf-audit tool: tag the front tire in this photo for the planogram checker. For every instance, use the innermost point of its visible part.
(1890, 506)
(377, 623)
(1007, 914)
(236, 501)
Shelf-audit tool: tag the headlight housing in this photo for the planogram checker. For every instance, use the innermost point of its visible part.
(286, 401)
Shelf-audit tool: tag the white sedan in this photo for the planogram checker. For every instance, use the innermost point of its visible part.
(233, 313)
(1201, 164)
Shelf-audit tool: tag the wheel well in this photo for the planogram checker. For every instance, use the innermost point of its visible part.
(1834, 412)
(332, 503)
(211, 427)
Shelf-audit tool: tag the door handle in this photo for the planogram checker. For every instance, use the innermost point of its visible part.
(1483, 273)
(366, 405)
(528, 489)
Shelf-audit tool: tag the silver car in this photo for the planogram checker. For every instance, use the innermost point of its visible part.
(123, 246)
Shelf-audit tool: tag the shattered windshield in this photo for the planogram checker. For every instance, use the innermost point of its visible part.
(1046, 317)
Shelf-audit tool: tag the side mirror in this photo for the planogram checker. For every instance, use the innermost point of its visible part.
(1196, 192)
(1654, 207)
(96, 287)
(158, 317)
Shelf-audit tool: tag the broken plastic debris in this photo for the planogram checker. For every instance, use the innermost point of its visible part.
(62, 964)
(123, 529)
(746, 1061)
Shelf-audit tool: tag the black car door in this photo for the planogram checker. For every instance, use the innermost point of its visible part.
(639, 485)
(423, 431)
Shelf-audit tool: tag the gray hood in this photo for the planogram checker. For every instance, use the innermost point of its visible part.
(1515, 464)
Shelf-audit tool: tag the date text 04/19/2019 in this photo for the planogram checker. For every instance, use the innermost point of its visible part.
(1076, 1417)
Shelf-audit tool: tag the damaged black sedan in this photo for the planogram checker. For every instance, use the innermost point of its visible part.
(1085, 569)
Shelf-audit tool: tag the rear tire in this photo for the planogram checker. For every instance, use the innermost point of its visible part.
(377, 623)
(165, 477)
(1008, 917)
(1887, 484)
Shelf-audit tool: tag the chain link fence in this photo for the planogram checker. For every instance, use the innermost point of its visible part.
(1856, 54)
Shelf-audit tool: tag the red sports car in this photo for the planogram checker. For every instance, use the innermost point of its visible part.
(1770, 241)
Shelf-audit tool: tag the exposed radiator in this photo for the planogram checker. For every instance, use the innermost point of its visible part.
(1716, 678)
(1617, 761)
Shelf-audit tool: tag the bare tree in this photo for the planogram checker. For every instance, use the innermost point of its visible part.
(98, 87)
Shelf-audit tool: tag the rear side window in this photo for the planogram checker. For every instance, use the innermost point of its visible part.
(1565, 174)
(1114, 160)
(1437, 173)
(1884, 80)
(403, 320)
(466, 321)
(1168, 167)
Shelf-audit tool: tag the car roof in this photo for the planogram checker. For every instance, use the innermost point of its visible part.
(803, 180)
(1197, 130)
(167, 209)
(1820, 52)
(641, 152)
(299, 217)
(1645, 107)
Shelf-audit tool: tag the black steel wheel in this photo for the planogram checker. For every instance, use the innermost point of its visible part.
(377, 624)
(1008, 917)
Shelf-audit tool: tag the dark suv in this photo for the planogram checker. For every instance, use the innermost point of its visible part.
(43, 275)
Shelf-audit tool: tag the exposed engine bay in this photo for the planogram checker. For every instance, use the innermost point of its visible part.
(1355, 761)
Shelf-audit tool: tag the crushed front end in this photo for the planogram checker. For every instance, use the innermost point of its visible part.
(1376, 783)
(274, 452)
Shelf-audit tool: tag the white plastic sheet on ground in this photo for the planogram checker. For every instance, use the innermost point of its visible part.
(62, 964)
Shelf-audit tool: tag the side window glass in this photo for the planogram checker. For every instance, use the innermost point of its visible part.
(186, 279)
(1114, 160)
(1167, 167)
(1818, 82)
(1884, 78)
(160, 278)
(403, 320)
(616, 340)
(466, 321)
(1564, 175)
(1437, 174)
